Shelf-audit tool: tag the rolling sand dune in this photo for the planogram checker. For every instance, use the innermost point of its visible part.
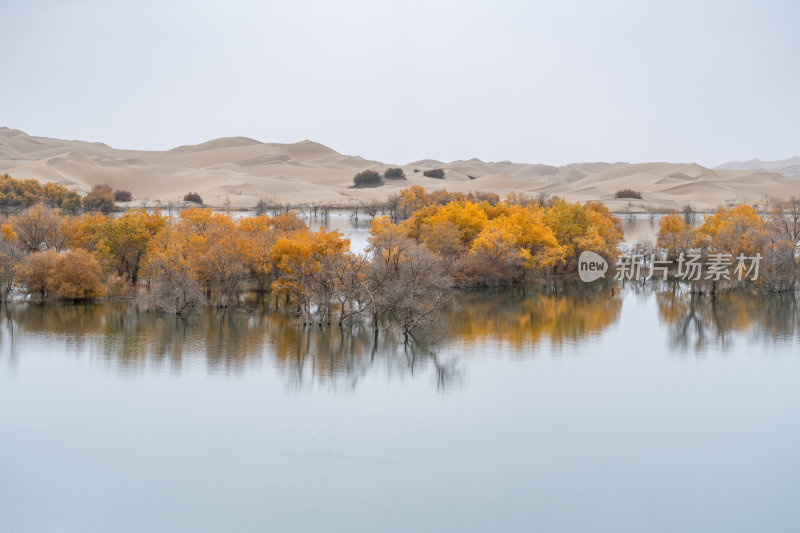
(788, 167)
(245, 170)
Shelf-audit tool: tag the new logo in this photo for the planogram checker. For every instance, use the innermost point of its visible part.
(591, 266)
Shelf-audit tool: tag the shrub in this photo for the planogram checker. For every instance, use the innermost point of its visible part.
(72, 202)
(628, 193)
(79, 276)
(24, 193)
(193, 197)
(101, 198)
(39, 274)
(123, 196)
(394, 174)
(437, 173)
(367, 178)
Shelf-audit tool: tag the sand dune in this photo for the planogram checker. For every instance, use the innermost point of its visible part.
(244, 170)
(788, 167)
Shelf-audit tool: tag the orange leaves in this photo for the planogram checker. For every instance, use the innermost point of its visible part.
(736, 230)
(520, 234)
(301, 257)
(503, 235)
(79, 276)
(579, 227)
(449, 229)
(7, 233)
(119, 244)
(76, 275)
(674, 235)
(310, 267)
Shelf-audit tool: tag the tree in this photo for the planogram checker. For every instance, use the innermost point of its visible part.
(122, 196)
(261, 207)
(689, 215)
(219, 261)
(394, 174)
(436, 173)
(119, 244)
(100, 198)
(303, 276)
(433, 225)
(737, 230)
(24, 193)
(288, 222)
(79, 276)
(520, 239)
(412, 199)
(406, 283)
(784, 219)
(172, 288)
(578, 228)
(674, 235)
(38, 228)
(72, 203)
(628, 193)
(12, 261)
(193, 197)
(367, 178)
(39, 275)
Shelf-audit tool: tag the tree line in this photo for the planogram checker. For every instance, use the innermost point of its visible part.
(733, 231)
(425, 246)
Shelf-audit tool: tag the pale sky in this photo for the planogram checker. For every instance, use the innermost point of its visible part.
(538, 82)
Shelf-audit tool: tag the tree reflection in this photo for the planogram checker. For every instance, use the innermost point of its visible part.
(698, 320)
(122, 335)
(525, 316)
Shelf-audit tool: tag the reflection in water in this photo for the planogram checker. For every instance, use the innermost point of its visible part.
(122, 335)
(697, 320)
(519, 319)
(524, 317)
(227, 341)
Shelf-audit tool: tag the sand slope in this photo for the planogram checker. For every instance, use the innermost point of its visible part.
(245, 170)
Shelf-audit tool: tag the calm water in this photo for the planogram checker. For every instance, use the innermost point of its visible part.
(566, 410)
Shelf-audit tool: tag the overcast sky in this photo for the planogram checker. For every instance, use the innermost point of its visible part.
(546, 82)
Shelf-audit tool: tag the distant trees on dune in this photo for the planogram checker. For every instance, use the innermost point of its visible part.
(193, 197)
(394, 174)
(436, 173)
(367, 178)
(628, 193)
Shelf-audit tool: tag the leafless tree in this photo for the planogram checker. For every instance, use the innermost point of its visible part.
(784, 219)
(38, 228)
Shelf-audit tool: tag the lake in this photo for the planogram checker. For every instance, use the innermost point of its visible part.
(566, 409)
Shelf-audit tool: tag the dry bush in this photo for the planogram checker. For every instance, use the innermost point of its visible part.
(101, 198)
(394, 174)
(436, 173)
(193, 197)
(628, 193)
(367, 178)
(123, 196)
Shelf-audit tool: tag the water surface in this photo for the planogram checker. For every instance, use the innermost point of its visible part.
(568, 409)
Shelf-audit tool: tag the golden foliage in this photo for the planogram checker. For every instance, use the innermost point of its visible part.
(78, 276)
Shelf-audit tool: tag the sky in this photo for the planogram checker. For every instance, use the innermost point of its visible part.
(532, 81)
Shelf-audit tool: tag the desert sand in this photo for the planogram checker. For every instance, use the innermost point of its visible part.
(244, 170)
